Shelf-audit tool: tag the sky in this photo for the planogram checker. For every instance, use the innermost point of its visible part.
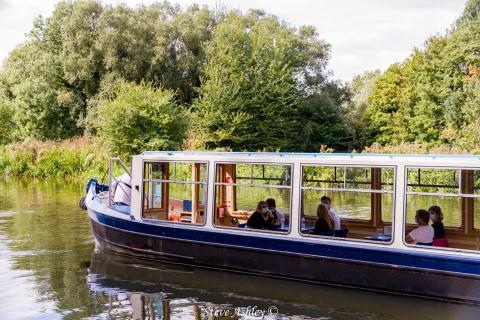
(364, 34)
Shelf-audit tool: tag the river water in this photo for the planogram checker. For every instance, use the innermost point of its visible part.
(49, 269)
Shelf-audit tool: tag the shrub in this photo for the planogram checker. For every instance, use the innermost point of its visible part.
(139, 118)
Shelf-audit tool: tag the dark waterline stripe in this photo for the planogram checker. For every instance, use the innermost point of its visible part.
(393, 258)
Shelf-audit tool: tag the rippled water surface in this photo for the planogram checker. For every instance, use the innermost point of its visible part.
(50, 270)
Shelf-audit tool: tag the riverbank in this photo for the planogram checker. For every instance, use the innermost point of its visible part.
(78, 158)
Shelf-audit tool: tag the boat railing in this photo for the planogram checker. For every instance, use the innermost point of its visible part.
(112, 178)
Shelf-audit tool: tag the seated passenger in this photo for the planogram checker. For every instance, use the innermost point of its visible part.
(262, 218)
(423, 234)
(439, 238)
(122, 189)
(327, 202)
(324, 224)
(278, 216)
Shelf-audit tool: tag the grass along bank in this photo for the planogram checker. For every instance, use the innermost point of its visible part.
(74, 158)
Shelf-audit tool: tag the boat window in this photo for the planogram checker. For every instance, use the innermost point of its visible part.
(358, 200)
(175, 191)
(240, 189)
(456, 193)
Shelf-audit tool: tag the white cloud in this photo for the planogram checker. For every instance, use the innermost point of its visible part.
(364, 35)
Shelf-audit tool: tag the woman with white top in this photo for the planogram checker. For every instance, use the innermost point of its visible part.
(423, 234)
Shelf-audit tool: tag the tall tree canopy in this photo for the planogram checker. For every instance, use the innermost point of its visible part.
(265, 88)
(57, 75)
(252, 81)
(431, 98)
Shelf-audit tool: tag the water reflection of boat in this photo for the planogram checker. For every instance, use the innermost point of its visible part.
(203, 225)
(165, 289)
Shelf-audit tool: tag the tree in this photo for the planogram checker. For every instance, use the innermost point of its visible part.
(139, 118)
(253, 77)
(430, 98)
(258, 74)
(470, 13)
(51, 76)
(7, 129)
(55, 78)
(42, 109)
(160, 44)
(323, 121)
(359, 90)
(178, 64)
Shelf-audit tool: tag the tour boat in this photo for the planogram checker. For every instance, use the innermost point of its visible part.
(192, 208)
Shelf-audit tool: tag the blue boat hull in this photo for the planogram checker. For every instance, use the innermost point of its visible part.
(379, 270)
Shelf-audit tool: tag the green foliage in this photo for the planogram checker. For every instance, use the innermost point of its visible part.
(415, 148)
(322, 121)
(360, 89)
(7, 128)
(68, 159)
(160, 44)
(31, 80)
(140, 118)
(257, 83)
(470, 13)
(51, 76)
(57, 76)
(430, 98)
(262, 78)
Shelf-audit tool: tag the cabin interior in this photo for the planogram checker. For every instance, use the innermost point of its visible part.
(175, 191)
(272, 181)
(457, 192)
(363, 197)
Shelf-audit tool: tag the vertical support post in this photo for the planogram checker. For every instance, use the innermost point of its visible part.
(296, 211)
(400, 212)
(195, 191)
(165, 188)
(109, 182)
(214, 172)
(466, 187)
(376, 198)
(139, 198)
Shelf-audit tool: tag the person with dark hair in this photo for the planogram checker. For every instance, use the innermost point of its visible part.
(439, 238)
(261, 218)
(327, 202)
(278, 216)
(423, 234)
(324, 223)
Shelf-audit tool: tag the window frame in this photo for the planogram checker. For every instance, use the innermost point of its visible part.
(456, 231)
(247, 230)
(204, 162)
(358, 221)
